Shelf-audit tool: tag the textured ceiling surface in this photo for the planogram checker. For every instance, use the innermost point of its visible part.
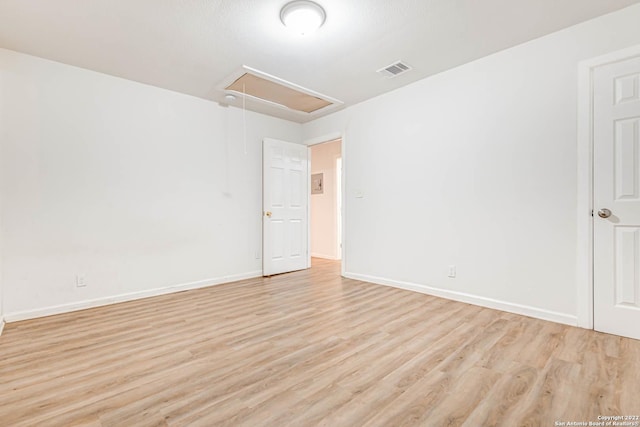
(191, 46)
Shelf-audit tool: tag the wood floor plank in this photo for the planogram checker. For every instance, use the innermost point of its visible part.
(309, 348)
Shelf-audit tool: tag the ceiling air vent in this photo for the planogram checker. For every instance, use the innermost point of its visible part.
(394, 69)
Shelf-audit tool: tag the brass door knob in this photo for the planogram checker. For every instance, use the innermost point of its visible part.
(268, 214)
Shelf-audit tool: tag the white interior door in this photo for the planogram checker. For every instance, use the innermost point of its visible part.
(285, 203)
(616, 130)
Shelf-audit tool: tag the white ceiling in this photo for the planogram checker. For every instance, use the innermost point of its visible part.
(191, 46)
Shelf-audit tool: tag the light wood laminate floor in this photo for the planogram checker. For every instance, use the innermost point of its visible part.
(309, 348)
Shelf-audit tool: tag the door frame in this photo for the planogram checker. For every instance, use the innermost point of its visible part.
(585, 255)
(339, 208)
(320, 140)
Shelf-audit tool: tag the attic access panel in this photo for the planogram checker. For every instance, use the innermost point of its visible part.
(273, 92)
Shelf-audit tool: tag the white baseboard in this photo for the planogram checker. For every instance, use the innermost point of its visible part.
(83, 305)
(1, 326)
(524, 310)
(323, 256)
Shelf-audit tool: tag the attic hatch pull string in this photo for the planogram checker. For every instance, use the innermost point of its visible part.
(244, 116)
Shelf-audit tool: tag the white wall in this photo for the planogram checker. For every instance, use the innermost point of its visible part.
(135, 187)
(324, 207)
(475, 167)
(2, 138)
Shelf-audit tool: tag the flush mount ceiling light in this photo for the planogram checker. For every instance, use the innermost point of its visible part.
(302, 16)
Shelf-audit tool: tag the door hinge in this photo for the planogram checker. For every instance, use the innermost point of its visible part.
(591, 212)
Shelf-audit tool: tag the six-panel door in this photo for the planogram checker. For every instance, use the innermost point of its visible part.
(616, 130)
(285, 205)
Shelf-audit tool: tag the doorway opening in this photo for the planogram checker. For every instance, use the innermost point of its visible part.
(325, 205)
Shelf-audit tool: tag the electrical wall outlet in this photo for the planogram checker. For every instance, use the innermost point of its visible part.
(452, 271)
(257, 254)
(80, 281)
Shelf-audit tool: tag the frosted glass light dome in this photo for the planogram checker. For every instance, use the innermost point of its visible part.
(302, 16)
